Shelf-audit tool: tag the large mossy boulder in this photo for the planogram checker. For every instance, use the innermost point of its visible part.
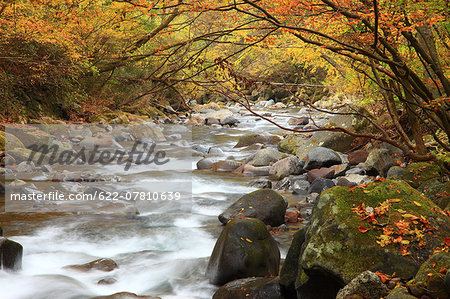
(250, 139)
(379, 227)
(265, 205)
(425, 177)
(430, 280)
(12, 142)
(291, 143)
(30, 135)
(255, 288)
(245, 248)
(10, 254)
(2, 141)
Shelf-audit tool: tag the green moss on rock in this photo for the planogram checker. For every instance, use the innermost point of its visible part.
(335, 244)
(417, 174)
(2, 141)
(428, 281)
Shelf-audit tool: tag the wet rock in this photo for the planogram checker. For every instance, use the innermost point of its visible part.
(253, 147)
(250, 139)
(211, 121)
(255, 288)
(284, 184)
(29, 135)
(245, 248)
(11, 254)
(325, 258)
(265, 205)
(101, 141)
(291, 143)
(229, 121)
(265, 157)
(324, 173)
(358, 156)
(12, 142)
(319, 185)
(107, 281)
(125, 295)
(105, 265)
(298, 121)
(225, 165)
(205, 163)
(285, 167)
(289, 270)
(321, 157)
(300, 187)
(148, 130)
(250, 170)
(428, 280)
(261, 184)
(367, 285)
(215, 151)
(201, 148)
(196, 120)
(26, 167)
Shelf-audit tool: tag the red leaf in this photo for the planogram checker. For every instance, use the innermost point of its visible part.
(362, 229)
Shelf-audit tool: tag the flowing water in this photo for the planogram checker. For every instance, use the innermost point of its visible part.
(162, 251)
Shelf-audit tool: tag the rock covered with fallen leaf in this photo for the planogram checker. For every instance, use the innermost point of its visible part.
(430, 280)
(385, 226)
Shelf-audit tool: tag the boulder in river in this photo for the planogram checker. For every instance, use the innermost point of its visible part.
(250, 170)
(125, 295)
(261, 184)
(344, 240)
(253, 138)
(323, 172)
(285, 167)
(254, 287)
(105, 265)
(225, 165)
(265, 205)
(205, 163)
(11, 254)
(245, 248)
(147, 130)
(321, 157)
(265, 157)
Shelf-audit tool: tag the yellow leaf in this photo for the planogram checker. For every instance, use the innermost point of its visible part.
(417, 204)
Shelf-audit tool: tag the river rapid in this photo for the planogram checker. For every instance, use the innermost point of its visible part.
(161, 251)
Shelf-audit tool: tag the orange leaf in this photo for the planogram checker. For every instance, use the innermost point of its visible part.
(362, 229)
